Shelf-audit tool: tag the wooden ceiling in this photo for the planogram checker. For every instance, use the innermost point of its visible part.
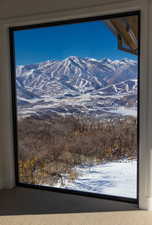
(126, 31)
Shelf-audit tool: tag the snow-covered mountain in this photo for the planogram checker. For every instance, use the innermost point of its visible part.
(76, 85)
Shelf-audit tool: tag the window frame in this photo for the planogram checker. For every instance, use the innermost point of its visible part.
(12, 29)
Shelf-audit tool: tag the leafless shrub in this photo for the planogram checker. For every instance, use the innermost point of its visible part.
(49, 147)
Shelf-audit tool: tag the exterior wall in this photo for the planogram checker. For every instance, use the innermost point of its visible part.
(28, 12)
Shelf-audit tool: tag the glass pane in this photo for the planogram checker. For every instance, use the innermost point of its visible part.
(77, 104)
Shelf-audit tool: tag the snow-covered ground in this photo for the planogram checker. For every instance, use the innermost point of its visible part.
(125, 111)
(118, 178)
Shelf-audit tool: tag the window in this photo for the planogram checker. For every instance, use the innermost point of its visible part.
(76, 104)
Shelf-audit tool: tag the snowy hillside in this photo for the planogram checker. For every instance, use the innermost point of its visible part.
(117, 178)
(76, 85)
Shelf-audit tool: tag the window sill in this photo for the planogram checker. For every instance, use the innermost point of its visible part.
(19, 201)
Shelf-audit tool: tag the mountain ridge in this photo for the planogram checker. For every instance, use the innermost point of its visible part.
(73, 78)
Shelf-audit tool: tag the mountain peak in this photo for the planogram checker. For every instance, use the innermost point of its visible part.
(106, 60)
(73, 58)
(72, 77)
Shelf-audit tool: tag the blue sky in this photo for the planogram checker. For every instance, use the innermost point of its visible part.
(87, 39)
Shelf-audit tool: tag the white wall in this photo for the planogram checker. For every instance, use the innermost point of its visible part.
(31, 11)
(18, 8)
(6, 147)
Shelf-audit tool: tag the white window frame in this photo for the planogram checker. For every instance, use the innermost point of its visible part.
(107, 7)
